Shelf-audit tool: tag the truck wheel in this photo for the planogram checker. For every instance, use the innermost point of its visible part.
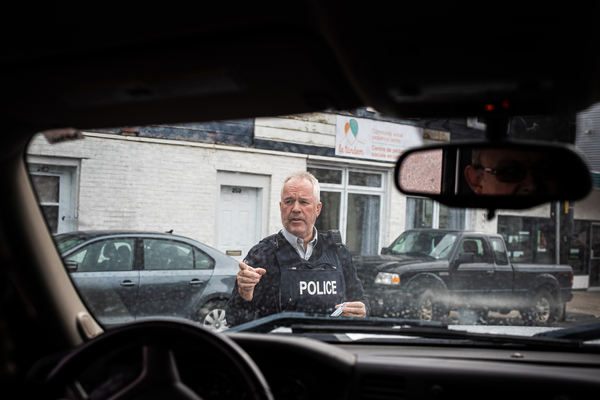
(542, 309)
(482, 316)
(428, 307)
(212, 315)
(470, 316)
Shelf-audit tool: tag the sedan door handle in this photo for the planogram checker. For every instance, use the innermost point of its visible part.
(196, 281)
(490, 272)
(127, 283)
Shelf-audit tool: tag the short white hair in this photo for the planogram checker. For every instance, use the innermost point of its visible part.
(309, 177)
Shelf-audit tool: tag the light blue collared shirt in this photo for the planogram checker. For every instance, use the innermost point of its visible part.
(298, 243)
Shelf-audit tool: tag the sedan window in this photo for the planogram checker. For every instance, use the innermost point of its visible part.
(475, 247)
(67, 242)
(105, 255)
(167, 255)
(203, 261)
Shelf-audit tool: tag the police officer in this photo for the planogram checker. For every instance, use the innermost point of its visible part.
(297, 269)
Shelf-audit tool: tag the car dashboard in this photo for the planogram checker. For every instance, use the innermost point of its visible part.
(299, 367)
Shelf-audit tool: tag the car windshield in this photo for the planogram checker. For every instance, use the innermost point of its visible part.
(153, 221)
(67, 241)
(436, 245)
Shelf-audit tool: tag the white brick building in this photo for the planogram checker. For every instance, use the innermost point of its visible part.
(227, 196)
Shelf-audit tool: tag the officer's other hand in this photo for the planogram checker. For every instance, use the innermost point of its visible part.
(354, 309)
(247, 278)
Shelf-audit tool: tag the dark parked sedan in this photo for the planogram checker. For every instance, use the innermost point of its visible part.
(127, 276)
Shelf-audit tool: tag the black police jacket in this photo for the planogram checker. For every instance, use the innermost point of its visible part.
(267, 293)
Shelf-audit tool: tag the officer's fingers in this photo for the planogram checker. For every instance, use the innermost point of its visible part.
(243, 266)
(260, 271)
(355, 304)
(355, 309)
(248, 273)
(254, 278)
(246, 286)
(248, 281)
(352, 313)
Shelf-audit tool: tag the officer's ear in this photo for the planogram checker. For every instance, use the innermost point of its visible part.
(474, 178)
(319, 205)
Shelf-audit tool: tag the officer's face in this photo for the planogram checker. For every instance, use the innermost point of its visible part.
(299, 208)
(506, 173)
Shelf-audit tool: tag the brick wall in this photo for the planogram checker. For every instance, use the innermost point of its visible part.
(158, 185)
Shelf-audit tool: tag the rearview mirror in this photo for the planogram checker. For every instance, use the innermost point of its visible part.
(508, 175)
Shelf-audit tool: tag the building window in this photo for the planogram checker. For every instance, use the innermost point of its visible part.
(528, 239)
(353, 204)
(48, 191)
(426, 213)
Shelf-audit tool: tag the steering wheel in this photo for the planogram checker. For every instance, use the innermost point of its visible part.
(159, 377)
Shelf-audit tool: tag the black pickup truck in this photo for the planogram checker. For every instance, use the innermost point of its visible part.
(426, 273)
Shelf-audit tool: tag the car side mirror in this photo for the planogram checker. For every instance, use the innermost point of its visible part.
(71, 266)
(494, 175)
(385, 250)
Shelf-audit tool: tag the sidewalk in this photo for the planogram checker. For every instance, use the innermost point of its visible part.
(585, 302)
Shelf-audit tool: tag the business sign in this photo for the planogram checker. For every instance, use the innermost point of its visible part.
(374, 140)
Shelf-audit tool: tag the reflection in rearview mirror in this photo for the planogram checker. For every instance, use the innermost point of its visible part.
(507, 172)
(490, 175)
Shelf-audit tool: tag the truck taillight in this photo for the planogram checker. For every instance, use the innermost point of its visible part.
(571, 278)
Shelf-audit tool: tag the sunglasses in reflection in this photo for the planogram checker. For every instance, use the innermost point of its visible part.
(517, 172)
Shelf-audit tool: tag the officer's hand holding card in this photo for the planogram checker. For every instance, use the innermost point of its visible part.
(350, 309)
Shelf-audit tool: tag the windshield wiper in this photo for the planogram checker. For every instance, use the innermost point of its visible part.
(581, 333)
(301, 323)
(311, 322)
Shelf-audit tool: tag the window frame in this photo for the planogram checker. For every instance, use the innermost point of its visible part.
(86, 245)
(345, 189)
(503, 250)
(485, 246)
(194, 250)
(435, 217)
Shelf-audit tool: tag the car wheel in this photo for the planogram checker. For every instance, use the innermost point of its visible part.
(542, 309)
(428, 307)
(212, 316)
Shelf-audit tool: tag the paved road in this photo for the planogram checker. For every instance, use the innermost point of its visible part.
(583, 309)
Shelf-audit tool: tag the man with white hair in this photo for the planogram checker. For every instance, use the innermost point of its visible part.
(297, 269)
